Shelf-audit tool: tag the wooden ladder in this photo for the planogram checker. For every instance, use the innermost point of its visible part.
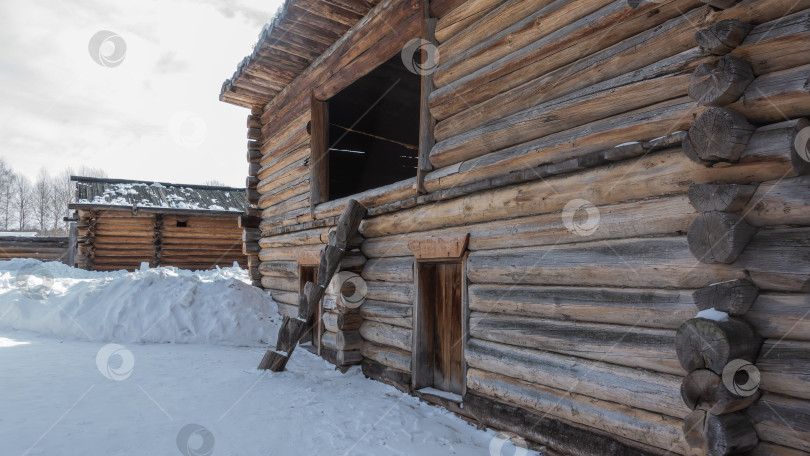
(293, 329)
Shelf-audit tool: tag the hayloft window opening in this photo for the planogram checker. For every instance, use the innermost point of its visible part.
(182, 223)
(371, 131)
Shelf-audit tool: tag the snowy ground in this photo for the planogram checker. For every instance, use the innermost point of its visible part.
(66, 389)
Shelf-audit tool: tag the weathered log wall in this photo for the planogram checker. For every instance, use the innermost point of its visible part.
(573, 316)
(111, 239)
(41, 248)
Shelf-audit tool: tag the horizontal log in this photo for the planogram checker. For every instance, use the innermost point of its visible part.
(388, 356)
(771, 46)
(620, 420)
(306, 237)
(666, 309)
(286, 253)
(652, 349)
(390, 292)
(780, 202)
(388, 312)
(776, 96)
(462, 16)
(339, 321)
(654, 263)
(384, 334)
(637, 388)
(782, 420)
(784, 366)
(778, 315)
(778, 259)
(342, 340)
(770, 155)
(564, 40)
(288, 269)
(658, 216)
(280, 283)
(391, 269)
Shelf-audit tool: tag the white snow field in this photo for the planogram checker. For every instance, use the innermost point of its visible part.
(163, 362)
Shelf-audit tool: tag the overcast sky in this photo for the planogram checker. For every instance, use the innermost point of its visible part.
(155, 115)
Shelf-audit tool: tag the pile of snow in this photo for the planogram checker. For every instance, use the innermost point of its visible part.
(151, 305)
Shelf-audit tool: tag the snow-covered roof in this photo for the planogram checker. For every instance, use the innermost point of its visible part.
(93, 191)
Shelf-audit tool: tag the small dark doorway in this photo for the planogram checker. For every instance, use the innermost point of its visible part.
(310, 274)
(438, 354)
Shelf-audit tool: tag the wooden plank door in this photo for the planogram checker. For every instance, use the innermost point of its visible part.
(447, 353)
(438, 352)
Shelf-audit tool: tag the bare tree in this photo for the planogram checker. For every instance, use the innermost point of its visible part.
(7, 178)
(214, 183)
(41, 200)
(63, 192)
(22, 200)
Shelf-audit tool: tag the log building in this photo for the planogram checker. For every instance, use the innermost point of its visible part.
(122, 223)
(45, 248)
(552, 190)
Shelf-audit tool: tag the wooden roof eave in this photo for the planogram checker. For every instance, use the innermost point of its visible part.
(152, 209)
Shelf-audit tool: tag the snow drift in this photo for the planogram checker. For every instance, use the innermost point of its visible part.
(151, 305)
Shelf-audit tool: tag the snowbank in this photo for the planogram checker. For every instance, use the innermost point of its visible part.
(151, 305)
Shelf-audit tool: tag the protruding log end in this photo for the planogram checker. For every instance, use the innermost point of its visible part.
(717, 237)
(722, 84)
(734, 297)
(710, 344)
(251, 182)
(719, 435)
(254, 121)
(723, 198)
(252, 196)
(723, 37)
(253, 169)
(718, 135)
(704, 390)
(254, 133)
(253, 145)
(254, 156)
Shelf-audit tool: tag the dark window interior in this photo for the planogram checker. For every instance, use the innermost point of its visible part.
(374, 130)
(182, 224)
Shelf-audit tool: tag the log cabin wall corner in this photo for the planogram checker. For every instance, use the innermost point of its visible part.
(619, 165)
